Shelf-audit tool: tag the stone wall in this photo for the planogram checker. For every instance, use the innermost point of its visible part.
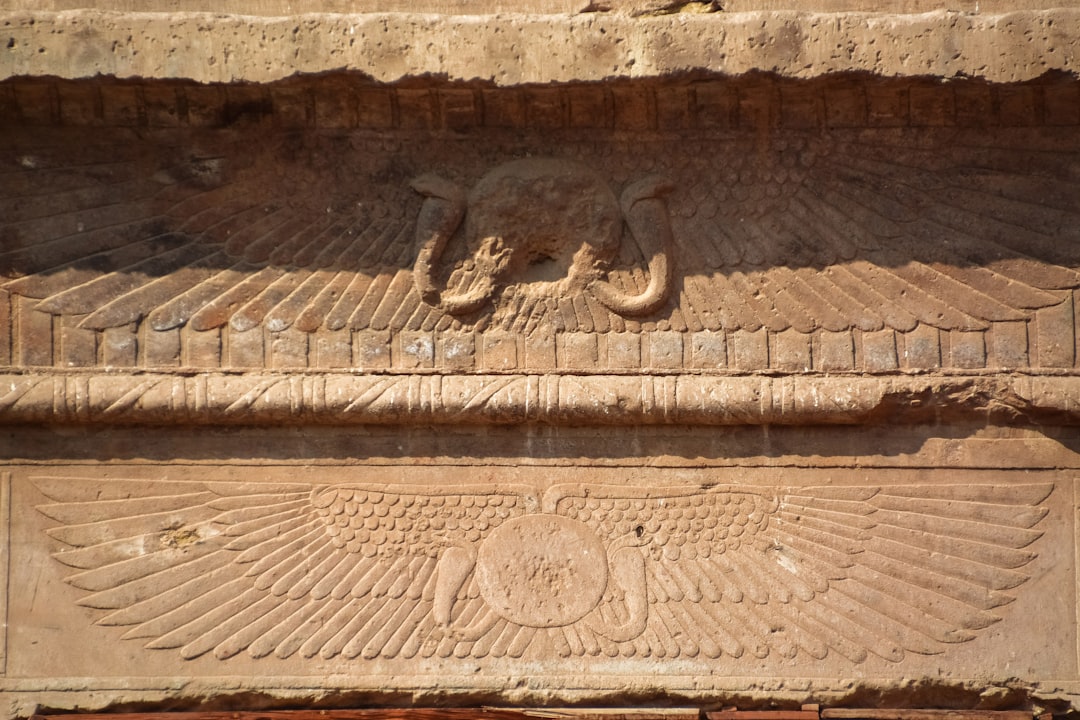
(626, 355)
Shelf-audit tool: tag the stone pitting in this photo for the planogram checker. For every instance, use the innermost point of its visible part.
(525, 49)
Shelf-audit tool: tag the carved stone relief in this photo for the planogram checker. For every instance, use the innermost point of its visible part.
(457, 393)
(845, 246)
(364, 571)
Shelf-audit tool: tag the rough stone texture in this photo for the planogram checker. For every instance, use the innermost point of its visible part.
(694, 358)
(520, 49)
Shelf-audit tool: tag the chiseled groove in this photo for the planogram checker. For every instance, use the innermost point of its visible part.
(271, 567)
(251, 314)
(218, 311)
(923, 305)
(892, 636)
(321, 616)
(396, 295)
(372, 395)
(848, 528)
(235, 509)
(253, 624)
(369, 641)
(257, 555)
(121, 572)
(132, 305)
(972, 530)
(972, 551)
(303, 573)
(769, 317)
(211, 596)
(99, 531)
(930, 578)
(180, 309)
(138, 590)
(93, 511)
(319, 642)
(92, 294)
(175, 605)
(193, 639)
(934, 614)
(373, 294)
(272, 637)
(347, 633)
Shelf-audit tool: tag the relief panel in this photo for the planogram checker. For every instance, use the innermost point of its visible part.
(774, 220)
(447, 570)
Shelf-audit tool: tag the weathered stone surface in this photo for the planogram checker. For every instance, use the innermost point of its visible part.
(710, 617)
(612, 353)
(756, 240)
(522, 49)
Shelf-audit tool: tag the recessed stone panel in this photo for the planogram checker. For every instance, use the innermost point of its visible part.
(322, 574)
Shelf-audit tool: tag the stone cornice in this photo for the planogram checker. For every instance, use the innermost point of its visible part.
(525, 49)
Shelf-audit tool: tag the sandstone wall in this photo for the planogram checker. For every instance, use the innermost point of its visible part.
(649, 354)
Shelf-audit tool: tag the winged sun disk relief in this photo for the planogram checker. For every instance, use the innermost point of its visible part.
(357, 570)
(808, 235)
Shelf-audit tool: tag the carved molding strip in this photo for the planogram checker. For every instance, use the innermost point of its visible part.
(343, 398)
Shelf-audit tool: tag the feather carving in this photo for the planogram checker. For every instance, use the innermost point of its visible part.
(375, 570)
(867, 230)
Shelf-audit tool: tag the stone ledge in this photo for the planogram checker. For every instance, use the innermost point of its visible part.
(342, 398)
(507, 50)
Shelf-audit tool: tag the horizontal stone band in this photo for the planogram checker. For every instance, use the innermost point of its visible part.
(338, 398)
(520, 49)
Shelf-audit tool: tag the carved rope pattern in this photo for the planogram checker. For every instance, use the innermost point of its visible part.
(343, 398)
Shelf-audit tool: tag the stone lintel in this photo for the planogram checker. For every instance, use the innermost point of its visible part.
(521, 49)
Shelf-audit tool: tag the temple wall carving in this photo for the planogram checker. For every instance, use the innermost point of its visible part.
(676, 355)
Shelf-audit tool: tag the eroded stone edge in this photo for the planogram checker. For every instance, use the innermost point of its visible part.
(26, 697)
(507, 50)
(5, 562)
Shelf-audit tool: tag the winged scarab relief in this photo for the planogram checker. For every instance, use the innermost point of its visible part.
(365, 571)
(859, 230)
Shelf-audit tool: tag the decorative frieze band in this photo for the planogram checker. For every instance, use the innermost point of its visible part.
(36, 340)
(346, 398)
(706, 104)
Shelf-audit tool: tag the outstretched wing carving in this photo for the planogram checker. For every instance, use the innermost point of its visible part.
(359, 570)
(345, 570)
(847, 230)
(851, 570)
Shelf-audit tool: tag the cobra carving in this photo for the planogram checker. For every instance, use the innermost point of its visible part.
(380, 570)
(533, 212)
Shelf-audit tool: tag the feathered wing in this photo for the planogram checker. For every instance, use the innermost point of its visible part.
(859, 229)
(734, 570)
(347, 570)
(878, 230)
(234, 233)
